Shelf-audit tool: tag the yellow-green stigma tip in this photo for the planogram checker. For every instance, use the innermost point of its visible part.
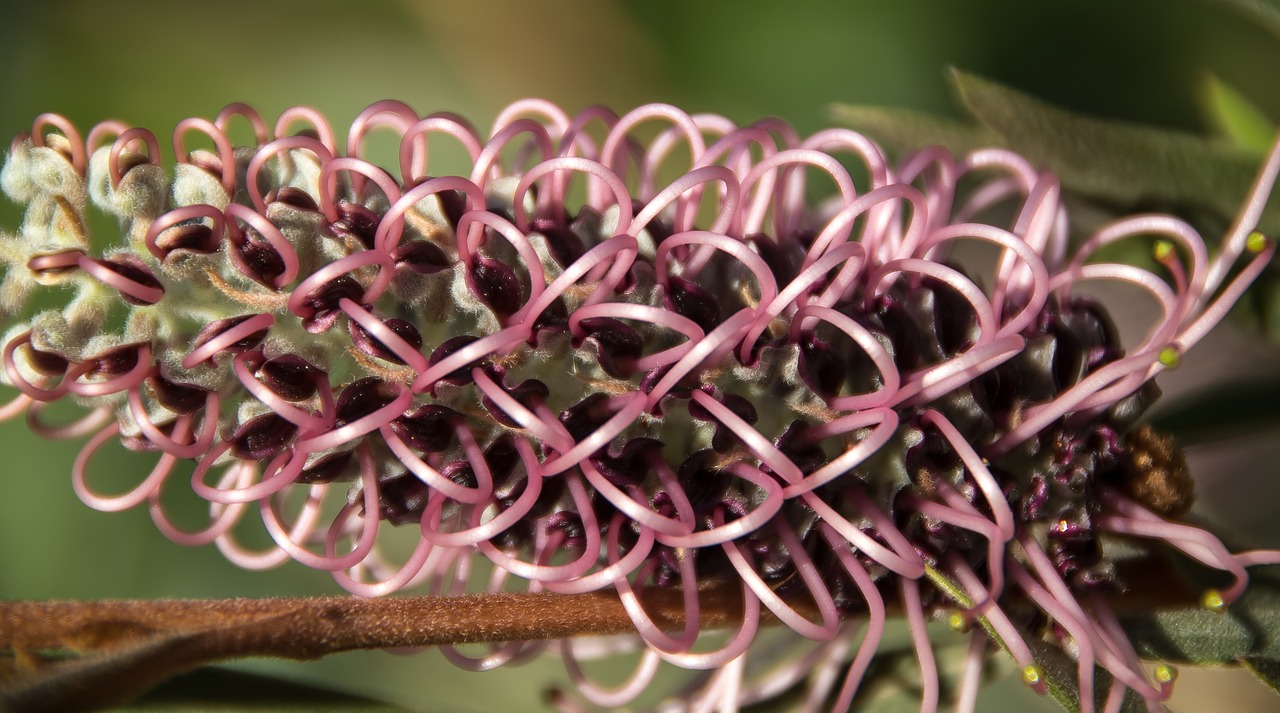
(1163, 249)
(1166, 674)
(1256, 242)
(959, 622)
(1032, 675)
(1213, 601)
(1170, 357)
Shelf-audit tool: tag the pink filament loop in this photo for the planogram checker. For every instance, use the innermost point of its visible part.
(478, 531)
(656, 316)
(431, 476)
(803, 320)
(611, 152)
(569, 571)
(978, 470)
(329, 183)
(222, 517)
(874, 203)
(81, 427)
(330, 562)
(623, 250)
(359, 427)
(741, 561)
(879, 281)
(902, 559)
(100, 131)
(633, 406)
(124, 501)
(414, 149)
(791, 294)
(216, 345)
(182, 215)
(1012, 244)
(479, 349)
(709, 241)
(761, 447)
(619, 568)
(386, 271)
(726, 335)
(282, 246)
(390, 113)
(485, 162)
(875, 616)
(885, 421)
(787, 159)
(381, 332)
(273, 555)
(638, 510)
(280, 472)
(226, 155)
(392, 583)
(61, 123)
(621, 196)
(248, 113)
(323, 153)
(143, 293)
(142, 368)
(932, 382)
(169, 445)
(685, 192)
(391, 227)
(549, 431)
(123, 140)
(609, 698)
(317, 121)
(769, 506)
(306, 421)
(20, 382)
(469, 241)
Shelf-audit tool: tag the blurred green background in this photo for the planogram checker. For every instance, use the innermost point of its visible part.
(154, 62)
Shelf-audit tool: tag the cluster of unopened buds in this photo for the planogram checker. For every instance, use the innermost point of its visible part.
(597, 369)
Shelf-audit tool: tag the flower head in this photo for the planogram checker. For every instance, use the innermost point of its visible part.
(595, 377)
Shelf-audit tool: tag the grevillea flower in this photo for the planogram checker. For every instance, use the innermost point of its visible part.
(597, 378)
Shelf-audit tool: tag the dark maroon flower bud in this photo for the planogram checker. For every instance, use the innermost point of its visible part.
(429, 429)
(361, 398)
(529, 393)
(262, 437)
(691, 301)
(402, 498)
(565, 245)
(323, 302)
(293, 197)
(179, 398)
(372, 346)
(131, 268)
(618, 346)
(584, 417)
(422, 256)
(290, 376)
(461, 375)
(195, 237)
(496, 285)
(256, 257)
(327, 468)
(355, 222)
(213, 329)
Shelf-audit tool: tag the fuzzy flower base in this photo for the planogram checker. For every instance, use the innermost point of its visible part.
(598, 363)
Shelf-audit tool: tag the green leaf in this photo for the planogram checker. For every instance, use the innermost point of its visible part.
(1267, 670)
(1114, 161)
(1234, 117)
(1248, 628)
(215, 688)
(1222, 410)
(906, 129)
(1264, 13)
